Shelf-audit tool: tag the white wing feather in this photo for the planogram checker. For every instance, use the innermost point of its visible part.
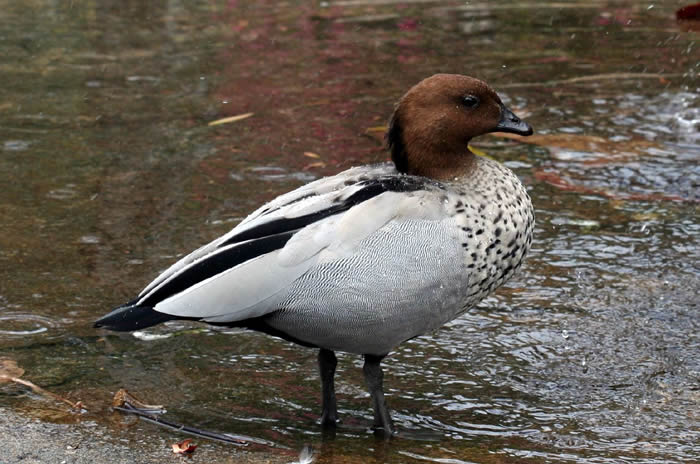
(253, 288)
(237, 292)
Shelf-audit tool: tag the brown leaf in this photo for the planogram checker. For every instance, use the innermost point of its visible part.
(9, 370)
(607, 150)
(559, 182)
(184, 447)
(318, 164)
(123, 398)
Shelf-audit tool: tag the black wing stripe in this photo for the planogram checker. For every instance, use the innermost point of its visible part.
(216, 264)
(282, 225)
(371, 188)
(273, 235)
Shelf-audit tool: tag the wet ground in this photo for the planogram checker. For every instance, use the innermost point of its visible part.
(110, 171)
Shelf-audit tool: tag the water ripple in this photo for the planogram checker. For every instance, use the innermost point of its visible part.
(23, 324)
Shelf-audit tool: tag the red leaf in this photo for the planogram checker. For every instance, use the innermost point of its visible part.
(689, 12)
(184, 447)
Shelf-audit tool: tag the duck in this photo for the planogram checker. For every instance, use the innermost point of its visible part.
(364, 260)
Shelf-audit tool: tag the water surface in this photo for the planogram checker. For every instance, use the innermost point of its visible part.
(110, 172)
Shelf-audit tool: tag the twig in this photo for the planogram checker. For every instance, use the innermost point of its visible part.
(238, 117)
(78, 405)
(591, 78)
(238, 440)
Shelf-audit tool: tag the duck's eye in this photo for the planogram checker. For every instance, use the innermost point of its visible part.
(470, 101)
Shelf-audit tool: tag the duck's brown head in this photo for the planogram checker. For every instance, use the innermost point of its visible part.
(434, 121)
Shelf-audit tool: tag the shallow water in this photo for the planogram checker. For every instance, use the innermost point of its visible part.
(110, 171)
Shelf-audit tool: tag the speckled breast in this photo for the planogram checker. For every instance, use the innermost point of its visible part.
(495, 218)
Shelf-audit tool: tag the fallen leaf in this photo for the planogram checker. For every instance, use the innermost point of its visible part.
(238, 117)
(9, 370)
(559, 182)
(381, 129)
(311, 154)
(604, 150)
(123, 398)
(184, 447)
(318, 164)
(689, 12)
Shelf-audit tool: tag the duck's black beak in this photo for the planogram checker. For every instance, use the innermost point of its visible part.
(511, 123)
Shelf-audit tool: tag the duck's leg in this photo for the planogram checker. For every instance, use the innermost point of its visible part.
(375, 378)
(326, 366)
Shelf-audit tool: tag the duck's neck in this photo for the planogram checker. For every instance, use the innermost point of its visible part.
(445, 167)
(434, 162)
(416, 151)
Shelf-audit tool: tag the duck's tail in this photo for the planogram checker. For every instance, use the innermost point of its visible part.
(130, 317)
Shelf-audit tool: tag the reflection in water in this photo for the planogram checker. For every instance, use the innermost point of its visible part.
(109, 170)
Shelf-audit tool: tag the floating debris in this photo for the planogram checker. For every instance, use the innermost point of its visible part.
(184, 447)
(10, 371)
(238, 117)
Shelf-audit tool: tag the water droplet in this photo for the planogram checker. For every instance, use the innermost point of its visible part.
(147, 337)
(63, 193)
(90, 239)
(16, 145)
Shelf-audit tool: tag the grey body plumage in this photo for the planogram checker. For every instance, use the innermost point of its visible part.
(411, 276)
